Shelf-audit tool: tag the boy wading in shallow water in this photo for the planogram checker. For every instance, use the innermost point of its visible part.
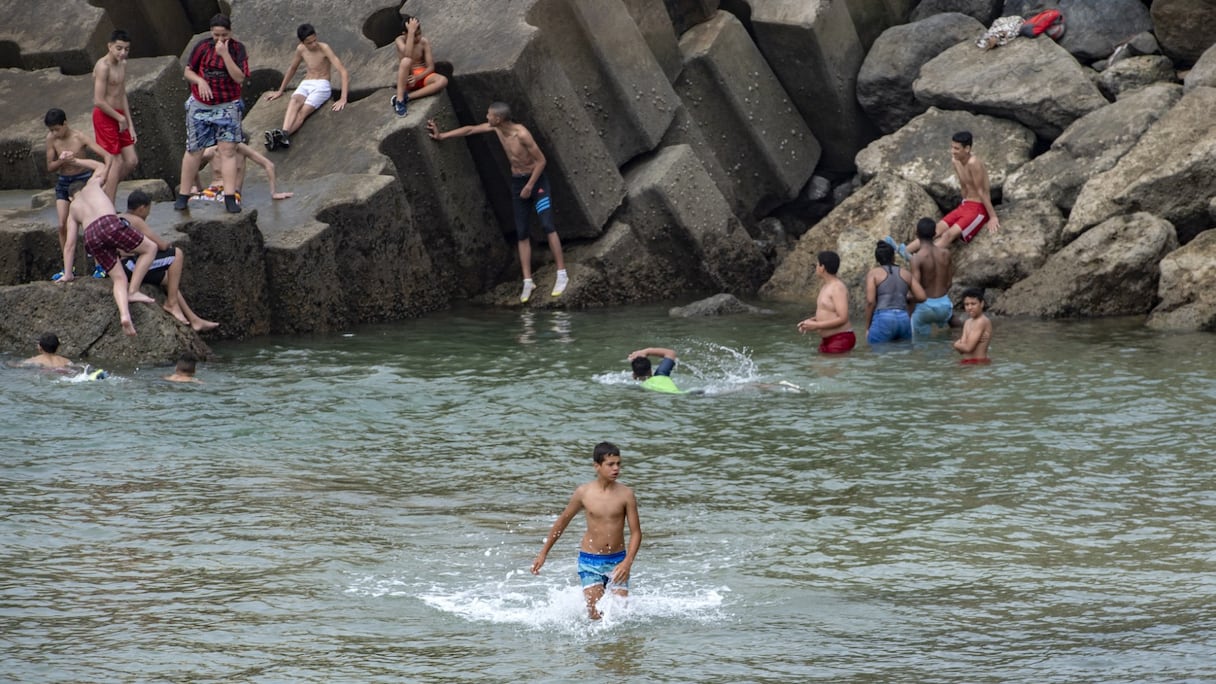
(609, 505)
(977, 331)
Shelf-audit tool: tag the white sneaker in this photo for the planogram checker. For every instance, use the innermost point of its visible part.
(527, 293)
(560, 285)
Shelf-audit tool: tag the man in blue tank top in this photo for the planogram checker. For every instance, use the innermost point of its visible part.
(658, 380)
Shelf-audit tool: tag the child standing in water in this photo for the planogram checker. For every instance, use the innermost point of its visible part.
(977, 331)
(609, 505)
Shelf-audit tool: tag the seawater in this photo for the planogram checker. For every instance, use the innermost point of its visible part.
(364, 507)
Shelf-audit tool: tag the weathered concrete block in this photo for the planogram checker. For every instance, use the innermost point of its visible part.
(29, 246)
(814, 48)
(655, 24)
(685, 131)
(686, 14)
(71, 39)
(745, 114)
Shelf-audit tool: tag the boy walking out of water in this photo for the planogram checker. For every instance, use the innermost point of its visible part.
(976, 209)
(113, 126)
(529, 188)
(64, 148)
(831, 319)
(608, 505)
(977, 331)
(313, 91)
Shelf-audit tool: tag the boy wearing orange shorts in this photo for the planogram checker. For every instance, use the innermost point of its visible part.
(416, 75)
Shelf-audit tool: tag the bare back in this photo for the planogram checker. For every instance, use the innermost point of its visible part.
(606, 510)
(933, 268)
(91, 203)
(517, 142)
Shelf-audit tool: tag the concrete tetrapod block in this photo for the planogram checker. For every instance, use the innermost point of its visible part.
(29, 246)
(70, 35)
(622, 86)
(442, 186)
(675, 207)
(654, 22)
(814, 48)
(500, 56)
(155, 89)
(758, 136)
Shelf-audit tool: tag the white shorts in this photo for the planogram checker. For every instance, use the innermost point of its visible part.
(315, 92)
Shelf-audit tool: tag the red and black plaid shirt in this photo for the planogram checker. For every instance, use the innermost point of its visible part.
(206, 63)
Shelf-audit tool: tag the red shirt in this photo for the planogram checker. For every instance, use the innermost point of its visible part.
(206, 63)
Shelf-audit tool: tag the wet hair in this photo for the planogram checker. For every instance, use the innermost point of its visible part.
(603, 450)
(186, 363)
(221, 20)
(49, 343)
(75, 187)
(974, 293)
(120, 34)
(304, 31)
(926, 228)
(884, 253)
(137, 199)
(501, 110)
(830, 261)
(641, 367)
(54, 117)
(962, 137)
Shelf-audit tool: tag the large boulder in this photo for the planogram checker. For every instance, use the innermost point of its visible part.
(1095, 27)
(1204, 71)
(1171, 173)
(1185, 28)
(1029, 234)
(1035, 82)
(1091, 145)
(1134, 73)
(983, 11)
(31, 38)
(884, 84)
(1188, 301)
(920, 152)
(83, 315)
(155, 89)
(872, 17)
(1111, 270)
(887, 205)
(757, 134)
(718, 305)
(815, 51)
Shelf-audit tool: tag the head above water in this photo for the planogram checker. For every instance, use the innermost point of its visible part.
(926, 229)
(884, 253)
(976, 293)
(830, 261)
(641, 368)
(303, 31)
(604, 450)
(49, 343)
(186, 363)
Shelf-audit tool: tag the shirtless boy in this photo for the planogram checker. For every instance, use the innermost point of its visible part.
(655, 379)
(608, 505)
(64, 148)
(313, 91)
(977, 331)
(184, 370)
(166, 268)
(48, 344)
(416, 75)
(831, 319)
(529, 188)
(105, 236)
(112, 123)
(976, 209)
(244, 151)
(933, 269)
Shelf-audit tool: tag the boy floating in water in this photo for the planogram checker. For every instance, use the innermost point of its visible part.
(609, 505)
(313, 91)
(658, 380)
(184, 370)
(977, 331)
(48, 344)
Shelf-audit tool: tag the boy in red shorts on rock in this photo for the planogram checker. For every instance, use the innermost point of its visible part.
(113, 127)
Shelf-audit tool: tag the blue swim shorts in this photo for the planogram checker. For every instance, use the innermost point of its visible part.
(594, 568)
(938, 310)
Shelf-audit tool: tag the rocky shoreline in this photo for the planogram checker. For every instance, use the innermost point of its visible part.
(694, 147)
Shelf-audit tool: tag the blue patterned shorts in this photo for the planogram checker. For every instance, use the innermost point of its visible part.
(594, 568)
(207, 125)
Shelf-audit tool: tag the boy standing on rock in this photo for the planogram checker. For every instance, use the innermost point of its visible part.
(529, 188)
(113, 126)
(313, 91)
(64, 149)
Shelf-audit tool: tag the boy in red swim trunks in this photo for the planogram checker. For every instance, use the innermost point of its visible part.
(977, 331)
(113, 126)
(831, 317)
(976, 209)
(105, 235)
(416, 75)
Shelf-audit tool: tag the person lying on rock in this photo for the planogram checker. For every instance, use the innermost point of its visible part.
(416, 76)
(313, 91)
(105, 236)
(976, 209)
(166, 268)
(529, 188)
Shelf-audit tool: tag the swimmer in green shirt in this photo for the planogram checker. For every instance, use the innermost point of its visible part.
(658, 380)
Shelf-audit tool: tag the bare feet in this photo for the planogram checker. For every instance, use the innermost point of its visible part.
(176, 313)
(128, 327)
(281, 195)
(203, 326)
(140, 297)
(66, 277)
